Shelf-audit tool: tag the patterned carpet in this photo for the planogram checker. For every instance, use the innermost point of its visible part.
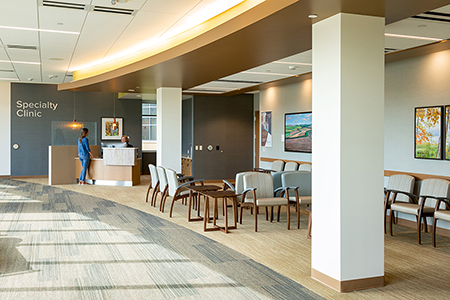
(59, 244)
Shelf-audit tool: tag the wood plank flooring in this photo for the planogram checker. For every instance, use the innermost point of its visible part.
(412, 271)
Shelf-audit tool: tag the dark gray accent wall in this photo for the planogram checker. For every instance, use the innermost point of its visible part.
(33, 134)
(187, 127)
(226, 122)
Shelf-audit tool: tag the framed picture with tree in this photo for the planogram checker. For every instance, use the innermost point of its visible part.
(428, 132)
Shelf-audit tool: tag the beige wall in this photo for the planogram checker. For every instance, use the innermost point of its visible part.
(5, 125)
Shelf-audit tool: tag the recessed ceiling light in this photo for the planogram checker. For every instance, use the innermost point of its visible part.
(130, 90)
(40, 30)
(422, 26)
(413, 37)
(55, 58)
(20, 62)
(312, 16)
(59, 23)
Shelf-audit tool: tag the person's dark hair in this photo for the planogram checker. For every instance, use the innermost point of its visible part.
(83, 133)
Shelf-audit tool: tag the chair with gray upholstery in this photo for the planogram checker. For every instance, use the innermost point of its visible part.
(176, 189)
(441, 213)
(154, 184)
(277, 165)
(163, 185)
(305, 167)
(397, 182)
(421, 206)
(259, 192)
(291, 166)
(297, 185)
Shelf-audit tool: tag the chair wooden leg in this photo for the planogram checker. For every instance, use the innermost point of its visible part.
(256, 218)
(148, 192)
(155, 194)
(288, 215)
(425, 225)
(171, 207)
(278, 213)
(242, 208)
(391, 221)
(271, 213)
(267, 213)
(419, 231)
(297, 206)
(434, 232)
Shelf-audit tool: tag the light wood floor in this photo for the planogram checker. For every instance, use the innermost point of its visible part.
(411, 271)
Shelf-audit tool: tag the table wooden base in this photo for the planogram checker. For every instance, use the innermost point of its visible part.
(226, 195)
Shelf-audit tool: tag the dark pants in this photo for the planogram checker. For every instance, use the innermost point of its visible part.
(85, 163)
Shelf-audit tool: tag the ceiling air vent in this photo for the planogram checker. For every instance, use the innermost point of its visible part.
(434, 16)
(63, 5)
(111, 10)
(21, 47)
(389, 50)
(6, 70)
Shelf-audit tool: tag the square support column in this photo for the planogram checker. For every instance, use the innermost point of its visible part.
(348, 152)
(168, 107)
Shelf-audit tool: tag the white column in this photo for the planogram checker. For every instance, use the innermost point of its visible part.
(168, 105)
(348, 152)
(5, 125)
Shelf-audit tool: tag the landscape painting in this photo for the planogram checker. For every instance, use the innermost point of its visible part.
(447, 132)
(298, 132)
(428, 132)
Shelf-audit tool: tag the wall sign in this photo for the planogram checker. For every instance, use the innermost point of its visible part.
(33, 109)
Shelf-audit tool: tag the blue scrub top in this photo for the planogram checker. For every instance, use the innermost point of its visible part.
(83, 147)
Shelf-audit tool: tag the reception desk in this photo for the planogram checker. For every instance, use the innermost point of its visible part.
(123, 169)
(118, 167)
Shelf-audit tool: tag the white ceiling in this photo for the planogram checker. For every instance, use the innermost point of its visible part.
(104, 34)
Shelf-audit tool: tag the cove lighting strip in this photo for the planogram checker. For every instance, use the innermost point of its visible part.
(268, 73)
(413, 37)
(20, 62)
(292, 63)
(40, 30)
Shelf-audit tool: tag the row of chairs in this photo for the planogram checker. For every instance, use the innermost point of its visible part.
(279, 165)
(255, 190)
(166, 182)
(433, 201)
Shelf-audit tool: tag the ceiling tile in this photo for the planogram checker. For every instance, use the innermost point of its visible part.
(411, 27)
(20, 13)
(170, 6)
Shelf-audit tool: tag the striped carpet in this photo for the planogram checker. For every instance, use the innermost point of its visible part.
(59, 244)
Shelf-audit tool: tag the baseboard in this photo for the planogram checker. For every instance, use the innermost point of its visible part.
(5, 176)
(348, 285)
(29, 176)
(413, 225)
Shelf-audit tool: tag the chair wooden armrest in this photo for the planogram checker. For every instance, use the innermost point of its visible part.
(229, 185)
(414, 198)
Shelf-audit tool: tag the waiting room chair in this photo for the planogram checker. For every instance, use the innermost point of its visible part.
(397, 182)
(154, 184)
(163, 185)
(421, 206)
(277, 166)
(297, 185)
(305, 167)
(291, 166)
(442, 213)
(176, 189)
(259, 192)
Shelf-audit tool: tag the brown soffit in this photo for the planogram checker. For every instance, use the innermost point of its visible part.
(272, 30)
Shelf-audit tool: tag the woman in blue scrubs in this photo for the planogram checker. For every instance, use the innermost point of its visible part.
(84, 153)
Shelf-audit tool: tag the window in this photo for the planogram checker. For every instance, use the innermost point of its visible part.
(149, 122)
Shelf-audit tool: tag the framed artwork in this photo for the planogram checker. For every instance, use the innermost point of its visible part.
(428, 132)
(108, 133)
(298, 132)
(447, 133)
(266, 129)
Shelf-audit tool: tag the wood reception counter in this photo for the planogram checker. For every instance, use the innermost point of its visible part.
(119, 166)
